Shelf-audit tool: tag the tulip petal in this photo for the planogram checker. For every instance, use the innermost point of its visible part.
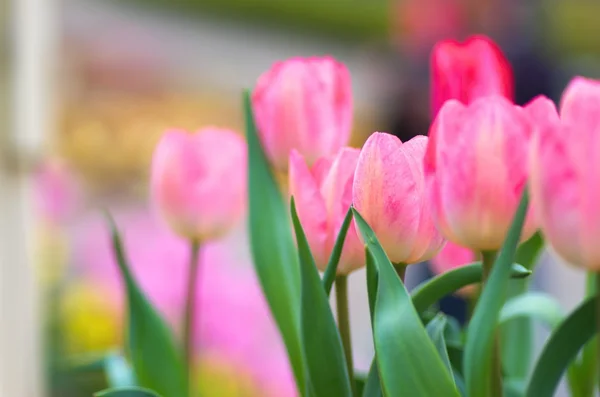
(310, 206)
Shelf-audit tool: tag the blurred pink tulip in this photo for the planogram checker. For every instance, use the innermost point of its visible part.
(234, 326)
(57, 191)
(467, 71)
(198, 181)
(476, 167)
(451, 257)
(389, 192)
(565, 175)
(323, 195)
(303, 104)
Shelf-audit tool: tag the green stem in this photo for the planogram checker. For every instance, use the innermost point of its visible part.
(343, 314)
(488, 258)
(190, 311)
(400, 270)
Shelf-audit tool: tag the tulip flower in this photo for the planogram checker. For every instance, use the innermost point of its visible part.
(303, 104)
(57, 192)
(389, 192)
(565, 175)
(467, 71)
(323, 196)
(198, 181)
(476, 167)
(451, 257)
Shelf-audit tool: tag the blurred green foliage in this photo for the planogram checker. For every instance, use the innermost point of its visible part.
(342, 19)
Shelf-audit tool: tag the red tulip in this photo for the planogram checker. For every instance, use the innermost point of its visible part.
(467, 71)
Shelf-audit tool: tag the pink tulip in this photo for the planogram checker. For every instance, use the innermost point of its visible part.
(323, 196)
(303, 104)
(198, 181)
(476, 167)
(565, 175)
(467, 71)
(389, 192)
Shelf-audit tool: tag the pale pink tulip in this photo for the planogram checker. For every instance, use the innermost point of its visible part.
(58, 193)
(451, 257)
(476, 167)
(389, 192)
(467, 71)
(565, 175)
(198, 181)
(303, 104)
(323, 196)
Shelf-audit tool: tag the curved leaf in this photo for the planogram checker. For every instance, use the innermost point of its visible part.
(431, 291)
(532, 305)
(400, 338)
(155, 359)
(273, 252)
(336, 254)
(482, 328)
(323, 349)
(562, 348)
(127, 392)
(435, 329)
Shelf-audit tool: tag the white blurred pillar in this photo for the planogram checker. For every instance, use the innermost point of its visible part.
(28, 31)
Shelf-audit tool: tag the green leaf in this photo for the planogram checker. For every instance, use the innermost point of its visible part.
(323, 349)
(127, 392)
(401, 341)
(585, 370)
(431, 291)
(532, 305)
(372, 278)
(435, 329)
(517, 336)
(514, 388)
(481, 330)
(336, 254)
(372, 385)
(273, 251)
(155, 359)
(118, 371)
(562, 348)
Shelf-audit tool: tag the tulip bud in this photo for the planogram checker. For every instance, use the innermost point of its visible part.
(476, 167)
(451, 257)
(303, 104)
(467, 71)
(389, 192)
(565, 175)
(198, 181)
(323, 196)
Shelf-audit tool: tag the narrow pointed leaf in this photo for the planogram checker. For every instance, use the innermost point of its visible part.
(534, 305)
(371, 283)
(517, 336)
(562, 348)
(372, 385)
(481, 330)
(431, 291)
(400, 338)
(322, 343)
(435, 330)
(127, 392)
(156, 362)
(273, 251)
(336, 254)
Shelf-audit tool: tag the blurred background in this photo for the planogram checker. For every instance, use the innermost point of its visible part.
(89, 85)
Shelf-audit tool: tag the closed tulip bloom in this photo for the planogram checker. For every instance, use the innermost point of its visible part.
(565, 175)
(323, 195)
(389, 192)
(198, 181)
(303, 104)
(476, 168)
(451, 257)
(467, 71)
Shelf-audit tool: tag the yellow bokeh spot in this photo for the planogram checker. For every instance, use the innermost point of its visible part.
(90, 319)
(219, 378)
